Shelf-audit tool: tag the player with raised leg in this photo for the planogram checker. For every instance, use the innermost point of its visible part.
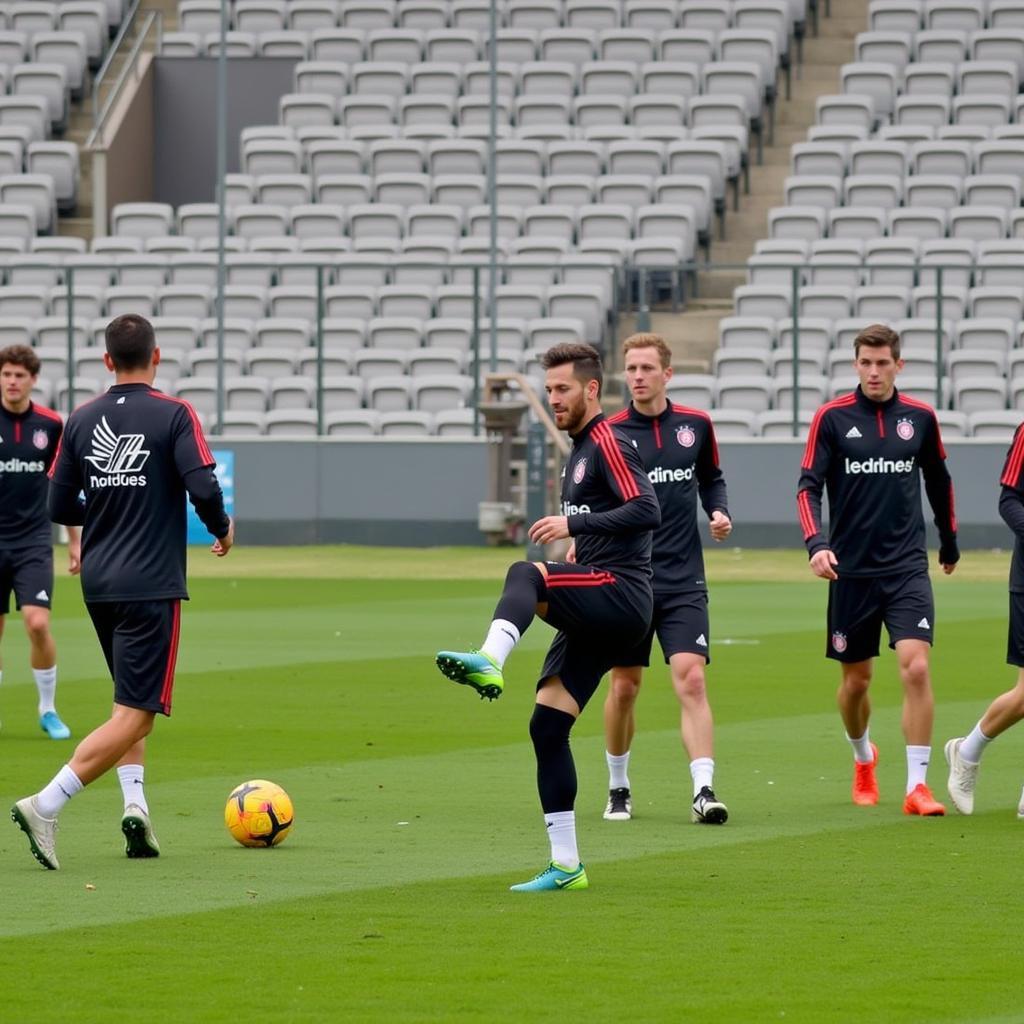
(600, 605)
(963, 753)
(29, 437)
(135, 453)
(678, 449)
(869, 450)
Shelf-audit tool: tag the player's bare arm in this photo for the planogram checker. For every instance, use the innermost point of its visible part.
(74, 550)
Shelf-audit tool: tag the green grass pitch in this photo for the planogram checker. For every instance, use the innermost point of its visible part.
(416, 808)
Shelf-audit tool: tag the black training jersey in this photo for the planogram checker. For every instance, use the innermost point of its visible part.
(1011, 506)
(869, 456)
(28, 444)
(679, 452)
(609, 502)
(129, 451)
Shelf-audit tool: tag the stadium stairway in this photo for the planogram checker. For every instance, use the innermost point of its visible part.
(79, 223)
(693, 335)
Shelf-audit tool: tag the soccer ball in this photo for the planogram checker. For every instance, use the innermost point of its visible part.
(259, 813)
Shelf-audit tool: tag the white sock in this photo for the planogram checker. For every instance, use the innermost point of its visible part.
(974, 745)
(861, 748)
(618, 770)
(52, 797)
(46, 684)
(561, 826)
(917, 766)
(501, 639)
(131, 776)
(702, 771)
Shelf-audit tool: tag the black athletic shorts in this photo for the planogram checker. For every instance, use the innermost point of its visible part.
(1015, 638)
(29, 573)
(858, 607)
(599, 617)
(680, 622)
(140, 642)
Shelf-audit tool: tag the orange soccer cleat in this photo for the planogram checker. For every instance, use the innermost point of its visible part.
(920, 801)
(865, 785)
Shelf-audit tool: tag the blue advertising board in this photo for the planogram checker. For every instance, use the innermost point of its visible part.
(197, 533)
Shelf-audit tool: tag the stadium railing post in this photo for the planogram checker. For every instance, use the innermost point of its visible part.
(795, 312)
(938, 338)
(69, 282)
(319, 349)
(476, 350)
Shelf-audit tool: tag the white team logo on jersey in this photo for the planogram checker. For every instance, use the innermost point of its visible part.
(686, 436)
(117, 453)
(905, 429)
(838, 642)
(40, 438)
(579, 471)
(119, 456)
(854, 432)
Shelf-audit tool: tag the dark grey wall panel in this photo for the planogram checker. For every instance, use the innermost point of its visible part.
(185, 121)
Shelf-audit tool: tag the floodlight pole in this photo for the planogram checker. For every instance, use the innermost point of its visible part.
(222, 166)
(492, 188)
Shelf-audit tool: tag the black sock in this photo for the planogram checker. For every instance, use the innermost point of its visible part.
(556, 771)
(524, 590)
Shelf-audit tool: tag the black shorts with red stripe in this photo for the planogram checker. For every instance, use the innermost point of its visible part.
(140, 642)
(600, 615)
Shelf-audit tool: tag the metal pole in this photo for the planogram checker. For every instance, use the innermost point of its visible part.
(319, 349)
(475, 346)
(492, 188)
(795, 310)
(222, 167)
(69, 283)
(938, 338)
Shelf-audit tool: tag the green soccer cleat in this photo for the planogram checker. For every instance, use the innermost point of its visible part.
(553, 878)
(472, 668)
(139, 840)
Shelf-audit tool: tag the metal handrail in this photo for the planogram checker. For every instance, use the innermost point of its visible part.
(127, 25)
(130, 64)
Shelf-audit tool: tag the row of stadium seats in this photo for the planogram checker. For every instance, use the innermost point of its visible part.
(32, 16)
(436, 15)
(759, 393)
(411, 341)
(297, 305)
(978, 223)
(765, 334)
(958, 15)
(939, 47)
(996, 424)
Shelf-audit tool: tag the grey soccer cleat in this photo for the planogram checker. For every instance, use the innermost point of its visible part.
(41, 832)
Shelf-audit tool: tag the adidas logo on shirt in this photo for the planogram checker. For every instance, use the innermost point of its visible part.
(924, 624)
(702, 641)
(854, 432)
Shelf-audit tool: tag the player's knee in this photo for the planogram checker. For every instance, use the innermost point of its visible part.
(914, 671)
(624, 691)
(549, 728)
(37, 624)
(691, 684)
(526, 574)
(856, 682)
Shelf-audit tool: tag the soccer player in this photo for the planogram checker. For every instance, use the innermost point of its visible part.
(29, 437)
(963, 754)
(868, 450)
(601, 605)
(678, 449)
(135, 453)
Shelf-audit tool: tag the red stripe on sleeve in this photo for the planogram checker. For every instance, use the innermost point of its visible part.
(616, 463)
(205, 455)
(807, 522)
(56, 456)
(1011, 472)
(952, 508)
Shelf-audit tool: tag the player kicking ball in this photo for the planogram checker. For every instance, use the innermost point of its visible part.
(869, 450)
(601, 605)
(963, 754)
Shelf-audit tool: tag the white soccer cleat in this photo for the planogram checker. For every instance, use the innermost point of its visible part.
(139, 840)
(41, 832)
(963, 777)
